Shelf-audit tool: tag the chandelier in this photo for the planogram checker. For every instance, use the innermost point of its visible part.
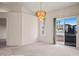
(41, 14)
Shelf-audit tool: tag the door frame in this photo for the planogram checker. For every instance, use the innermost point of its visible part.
(54, 29)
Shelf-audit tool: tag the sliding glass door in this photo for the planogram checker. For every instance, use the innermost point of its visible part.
(66, 31)
(70, 31)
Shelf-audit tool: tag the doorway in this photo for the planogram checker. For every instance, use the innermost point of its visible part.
(3, 32)
(66, 31)
(60, 33)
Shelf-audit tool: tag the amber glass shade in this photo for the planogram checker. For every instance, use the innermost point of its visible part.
(41, 15)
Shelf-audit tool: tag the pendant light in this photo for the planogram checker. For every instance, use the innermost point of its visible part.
(41, 14)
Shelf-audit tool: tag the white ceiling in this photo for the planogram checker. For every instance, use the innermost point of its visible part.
(47, 6)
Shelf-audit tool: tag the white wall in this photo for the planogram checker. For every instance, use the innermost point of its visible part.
(14, 29)
(77, 41)
(3, 14)
(48, 36)
(29, 29)
(49, 29)
(21, 28)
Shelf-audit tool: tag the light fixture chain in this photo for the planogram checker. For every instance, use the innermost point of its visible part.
(40, 5)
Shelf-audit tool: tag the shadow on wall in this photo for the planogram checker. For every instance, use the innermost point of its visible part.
(3, 33)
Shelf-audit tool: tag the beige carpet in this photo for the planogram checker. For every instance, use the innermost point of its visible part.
(40, 49)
